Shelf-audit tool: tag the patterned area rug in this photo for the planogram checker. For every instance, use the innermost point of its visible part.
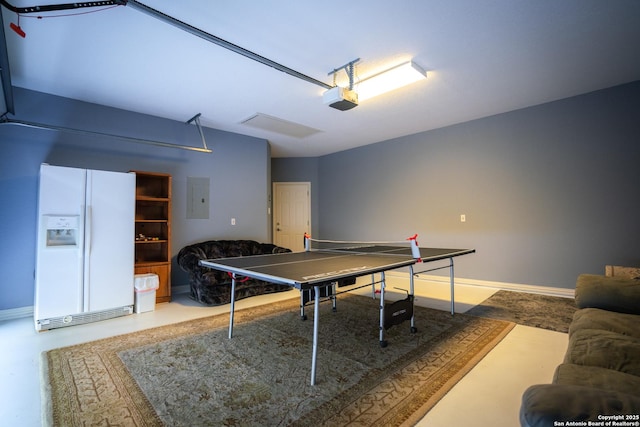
(540, 311)
(191, 374)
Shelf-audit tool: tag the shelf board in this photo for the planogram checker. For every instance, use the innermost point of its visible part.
(152, 220)
(151, 241)
(152, 199)
(150, 263)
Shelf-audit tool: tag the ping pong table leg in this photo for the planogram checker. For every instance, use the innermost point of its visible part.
(233, 304)
(373, 285)
(413, 328)
(334, 297)
(383, 343)
(302, 302)
(316, 316)
(452, 286)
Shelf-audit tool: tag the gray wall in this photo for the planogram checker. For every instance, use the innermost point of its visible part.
(239, 170)
(549, 192)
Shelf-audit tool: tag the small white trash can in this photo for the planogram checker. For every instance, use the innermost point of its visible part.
(145, 286)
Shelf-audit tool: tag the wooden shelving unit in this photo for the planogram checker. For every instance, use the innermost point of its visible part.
(153, 229)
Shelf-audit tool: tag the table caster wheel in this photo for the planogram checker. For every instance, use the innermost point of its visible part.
(303, 318)
(414, 329)
(383, 344)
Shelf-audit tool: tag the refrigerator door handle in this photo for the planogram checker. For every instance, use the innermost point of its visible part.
(87, 231)
(81, 253)
(87, 253)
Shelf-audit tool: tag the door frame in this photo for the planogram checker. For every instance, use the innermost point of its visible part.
(274, 186)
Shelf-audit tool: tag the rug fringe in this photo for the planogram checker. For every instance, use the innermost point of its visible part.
(45, 391)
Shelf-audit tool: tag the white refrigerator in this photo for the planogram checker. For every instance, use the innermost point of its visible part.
(85, 248)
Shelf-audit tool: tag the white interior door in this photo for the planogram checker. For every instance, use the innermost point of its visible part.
(291, 214)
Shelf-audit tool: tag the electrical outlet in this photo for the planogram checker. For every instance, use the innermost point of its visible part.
(463, 218)
(233, 221)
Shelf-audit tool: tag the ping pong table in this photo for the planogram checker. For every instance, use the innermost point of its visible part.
(316, 271)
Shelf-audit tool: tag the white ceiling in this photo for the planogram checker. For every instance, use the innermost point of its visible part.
(483, 57)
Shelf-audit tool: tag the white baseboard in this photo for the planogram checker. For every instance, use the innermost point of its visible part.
(516, 287)
(16, 313)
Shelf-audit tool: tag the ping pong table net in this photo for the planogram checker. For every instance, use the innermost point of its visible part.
(410, 243)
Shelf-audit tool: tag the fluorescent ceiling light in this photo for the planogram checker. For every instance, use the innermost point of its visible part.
(388, 80)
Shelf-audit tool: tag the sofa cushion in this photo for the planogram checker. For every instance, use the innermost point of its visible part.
(595, 318)
(608, 293)
(594, 347)
(597, 377)
(547, 404)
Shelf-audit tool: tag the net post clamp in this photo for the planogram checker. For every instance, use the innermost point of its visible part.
(415, 250)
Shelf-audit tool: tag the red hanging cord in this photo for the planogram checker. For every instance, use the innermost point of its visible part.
(238, 280)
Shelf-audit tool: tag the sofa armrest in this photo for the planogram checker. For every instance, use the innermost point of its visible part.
(189, 258)
(608, 293)
(544, 404)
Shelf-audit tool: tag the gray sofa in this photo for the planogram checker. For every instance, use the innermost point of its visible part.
(600, 375)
